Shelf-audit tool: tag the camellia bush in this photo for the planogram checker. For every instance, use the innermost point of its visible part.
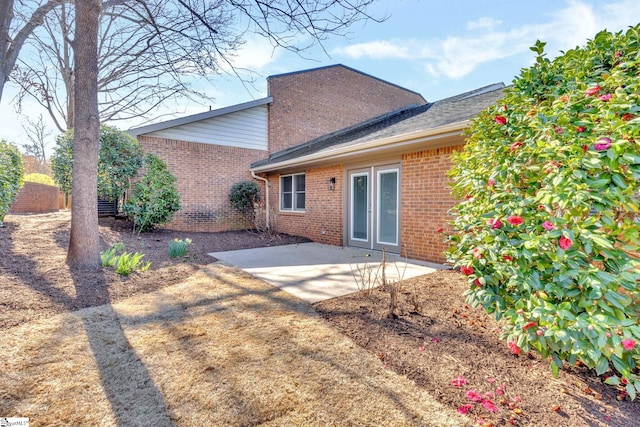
(11, 172)
(547, 227)
(155, 197)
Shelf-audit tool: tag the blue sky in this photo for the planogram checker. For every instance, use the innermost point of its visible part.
(435, 47)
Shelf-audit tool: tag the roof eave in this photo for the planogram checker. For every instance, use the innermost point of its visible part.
(427, 138)
(197, 117)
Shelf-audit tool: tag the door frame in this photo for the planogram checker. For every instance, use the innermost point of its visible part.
(373, 172)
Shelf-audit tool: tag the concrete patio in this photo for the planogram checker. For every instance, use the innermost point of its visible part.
(316, 272)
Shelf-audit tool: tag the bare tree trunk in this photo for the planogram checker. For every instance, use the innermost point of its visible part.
(84, 244)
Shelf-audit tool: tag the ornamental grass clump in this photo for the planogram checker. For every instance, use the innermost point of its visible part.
(178, 248)
(547, 229)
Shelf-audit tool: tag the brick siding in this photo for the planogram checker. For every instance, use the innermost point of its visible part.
(313, 103)
(35, 198)
(322, 219)
(205, 174)
(426, 200)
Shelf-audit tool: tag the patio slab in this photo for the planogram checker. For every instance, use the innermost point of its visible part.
(316, 272)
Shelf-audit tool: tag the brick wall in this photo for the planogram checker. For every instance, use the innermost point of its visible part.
(322, 219)
(313, 103)
(205, 174)
(35, 198)
(426, 200)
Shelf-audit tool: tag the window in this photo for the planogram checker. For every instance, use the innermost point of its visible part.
(292, 190)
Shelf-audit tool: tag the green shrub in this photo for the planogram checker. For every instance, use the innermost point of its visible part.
(243, 197)
(178, 248)
(155, 197)
(11, 171)
(39, 178)
(547, 228)
(119, 159)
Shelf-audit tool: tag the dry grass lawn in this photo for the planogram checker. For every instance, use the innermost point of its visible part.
(219, 349)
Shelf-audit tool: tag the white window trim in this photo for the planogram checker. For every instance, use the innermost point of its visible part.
(293, 192)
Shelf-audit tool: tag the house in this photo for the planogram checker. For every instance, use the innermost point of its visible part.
(344, 158)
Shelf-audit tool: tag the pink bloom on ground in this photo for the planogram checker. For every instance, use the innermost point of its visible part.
(501, 120)
(515, 145)
(628, 344)
(435, 340)
(491, 380)
(606, 97)
(565, 243)
(489, 406)
(459, 382)
(547, 225)
(464, 409)
(514, 347)
(499, 391)
(580, 129)
(421, 348)
(602, 144)
(474, 396)
(592, 90)
(466, 270)
(491, 182)
(515, 220)
(495, 223)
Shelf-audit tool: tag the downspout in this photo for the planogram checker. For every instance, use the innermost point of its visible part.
(266, 190)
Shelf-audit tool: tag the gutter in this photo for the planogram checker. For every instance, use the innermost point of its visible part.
(397, 140)
(266, 190)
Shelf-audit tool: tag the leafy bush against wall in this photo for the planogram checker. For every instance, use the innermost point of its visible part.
(547, 229)
(119, 159)
(155, 197)
(243, 197)
(39, 178)
(11, 171)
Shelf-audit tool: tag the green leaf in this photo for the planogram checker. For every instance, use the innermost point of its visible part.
(631, 391)
(602, 366)
(612, 380)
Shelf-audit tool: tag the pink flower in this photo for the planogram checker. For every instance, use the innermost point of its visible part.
(515, 145)
(466, 270)
(628, 344)
(627, 116)
(547, 225)
(489, 406)
(421, 348)
(491, 182)
(558, 130)
(529, 325)
(501, 120)
(602, 144)
(580, 129)
(605, 98)
(435, 340)
(515, 220)
(491, 380)
(592, 90)
(459, 382)
(517, 399)
(565, 243)
(474, 396)
(514, 347)
(495, 223)
(477, 253)
(477, 282)
(507, 257)
(464, 409)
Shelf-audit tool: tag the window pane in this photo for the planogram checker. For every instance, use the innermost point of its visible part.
(388, 208)
(300, 182)
(286, 184)
(360, 206)
(286, 201)
(300, 201)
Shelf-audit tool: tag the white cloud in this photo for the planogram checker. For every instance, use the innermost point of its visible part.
(482, 23)
(456, 56)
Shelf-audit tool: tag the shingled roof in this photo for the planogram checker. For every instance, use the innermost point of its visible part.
(410, 119)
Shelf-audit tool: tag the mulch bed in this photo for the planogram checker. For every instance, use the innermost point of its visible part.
(437, 338)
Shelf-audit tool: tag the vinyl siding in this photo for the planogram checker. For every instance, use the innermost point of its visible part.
(244, 129)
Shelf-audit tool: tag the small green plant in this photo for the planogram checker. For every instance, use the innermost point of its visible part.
(124, 263)
(243, 198)
(178, 248)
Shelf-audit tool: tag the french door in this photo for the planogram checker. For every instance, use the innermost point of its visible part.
(374, 208)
